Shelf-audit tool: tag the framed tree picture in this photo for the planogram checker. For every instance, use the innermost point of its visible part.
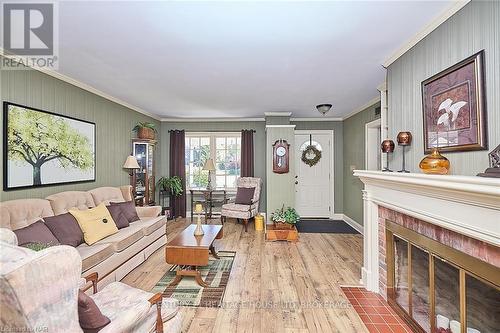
(43, 148)
(454, 107)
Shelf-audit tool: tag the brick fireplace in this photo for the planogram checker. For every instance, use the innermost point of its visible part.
(473, 247)
(425, 219)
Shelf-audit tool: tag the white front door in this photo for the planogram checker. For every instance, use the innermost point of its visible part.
(314, 184)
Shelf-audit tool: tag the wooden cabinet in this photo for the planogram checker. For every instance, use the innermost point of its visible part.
(143, 180)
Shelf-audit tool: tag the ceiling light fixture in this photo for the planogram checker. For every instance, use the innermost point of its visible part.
(323, 108)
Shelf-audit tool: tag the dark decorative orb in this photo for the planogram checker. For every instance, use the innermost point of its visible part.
(387, 146)
(404, 138)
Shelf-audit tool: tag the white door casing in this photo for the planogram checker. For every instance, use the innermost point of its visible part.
(373, 138)
(314, 185)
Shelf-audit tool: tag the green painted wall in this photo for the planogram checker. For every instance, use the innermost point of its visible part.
(474, 28)
(259, 144)
(260, 147)
(280, 187)
(337, 128)
(113, 125)
(354, 155)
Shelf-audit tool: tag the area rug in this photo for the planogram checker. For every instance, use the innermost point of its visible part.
(324, 226)
(189, 293)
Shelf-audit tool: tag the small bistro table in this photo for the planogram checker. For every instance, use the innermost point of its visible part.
(209, 199)
(190, 251)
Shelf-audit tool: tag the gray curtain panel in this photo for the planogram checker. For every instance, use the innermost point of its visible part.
(178, 168)
(247, 151)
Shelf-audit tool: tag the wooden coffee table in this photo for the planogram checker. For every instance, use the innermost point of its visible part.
(189, 251)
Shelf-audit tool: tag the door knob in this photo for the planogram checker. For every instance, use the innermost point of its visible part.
(296, 182)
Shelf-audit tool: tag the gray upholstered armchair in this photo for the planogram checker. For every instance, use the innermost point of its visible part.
(39, 292)
(240, 211)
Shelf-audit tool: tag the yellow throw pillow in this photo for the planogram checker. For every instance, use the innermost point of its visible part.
(96, 223)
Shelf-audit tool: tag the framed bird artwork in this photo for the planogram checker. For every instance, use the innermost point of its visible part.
(454, 107)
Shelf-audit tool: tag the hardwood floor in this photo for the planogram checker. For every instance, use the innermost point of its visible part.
(274, 286)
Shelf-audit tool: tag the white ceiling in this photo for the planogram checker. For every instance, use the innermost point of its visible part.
(237, 59)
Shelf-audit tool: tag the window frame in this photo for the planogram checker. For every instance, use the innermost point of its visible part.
(213, 153)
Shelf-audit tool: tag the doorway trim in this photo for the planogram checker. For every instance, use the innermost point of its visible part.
(369, 129)
(332, 165)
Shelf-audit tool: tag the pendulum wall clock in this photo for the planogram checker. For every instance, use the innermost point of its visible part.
(281, 156)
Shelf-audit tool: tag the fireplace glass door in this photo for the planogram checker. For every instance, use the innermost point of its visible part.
(483, 306)
(439, 289)
(420, 287)
(447, 294)
(401, 273)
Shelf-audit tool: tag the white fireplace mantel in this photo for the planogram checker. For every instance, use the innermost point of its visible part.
(465, 204)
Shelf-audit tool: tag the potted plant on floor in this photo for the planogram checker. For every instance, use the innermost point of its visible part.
(285, 218)
(169, 187)
(171, 184)
(145, 130)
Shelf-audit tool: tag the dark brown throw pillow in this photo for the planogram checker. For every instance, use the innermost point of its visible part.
(65, 228)
(128, 209)
(90, 317)
(35, 233)
(244, 195)
(118, 216)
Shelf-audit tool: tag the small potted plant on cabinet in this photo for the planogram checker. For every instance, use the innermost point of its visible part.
(145, 130)
(285, 218)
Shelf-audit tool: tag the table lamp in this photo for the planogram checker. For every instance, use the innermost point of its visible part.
(198, 208)
(209, 166)
(131, 164)
(387, 147)
(404, 139)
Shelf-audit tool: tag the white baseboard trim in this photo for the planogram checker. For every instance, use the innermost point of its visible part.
(352, 223)
(337, 216)
(264, 215)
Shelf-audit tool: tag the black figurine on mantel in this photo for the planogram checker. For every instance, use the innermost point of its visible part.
(494, 169)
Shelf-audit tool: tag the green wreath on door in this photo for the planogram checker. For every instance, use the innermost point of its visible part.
(311, 155)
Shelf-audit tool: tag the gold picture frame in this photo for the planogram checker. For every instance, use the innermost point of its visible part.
(454, 107)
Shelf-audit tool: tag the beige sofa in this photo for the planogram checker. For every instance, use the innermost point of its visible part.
(112, 257)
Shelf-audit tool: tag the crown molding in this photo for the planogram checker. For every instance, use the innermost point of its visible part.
(382, 86)
(316, 119)
(362, 107)
(197, 120)
(280, 126)
(436, 22)
(277, 114)
(84, 86)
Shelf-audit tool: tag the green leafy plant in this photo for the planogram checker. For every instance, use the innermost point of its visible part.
(288, 215)
(38, 246)
(140, 125)
(172, 184)
(200, 179)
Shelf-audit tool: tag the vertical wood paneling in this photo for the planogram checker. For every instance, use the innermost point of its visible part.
(281, 187)
(473, 28)
(354, 154)
(260, 147)
(236, 126)
(113, 125)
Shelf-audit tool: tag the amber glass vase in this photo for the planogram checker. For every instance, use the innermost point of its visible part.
(435, 163)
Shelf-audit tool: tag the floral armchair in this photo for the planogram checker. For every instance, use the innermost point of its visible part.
(39, 293)
(244, 212)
